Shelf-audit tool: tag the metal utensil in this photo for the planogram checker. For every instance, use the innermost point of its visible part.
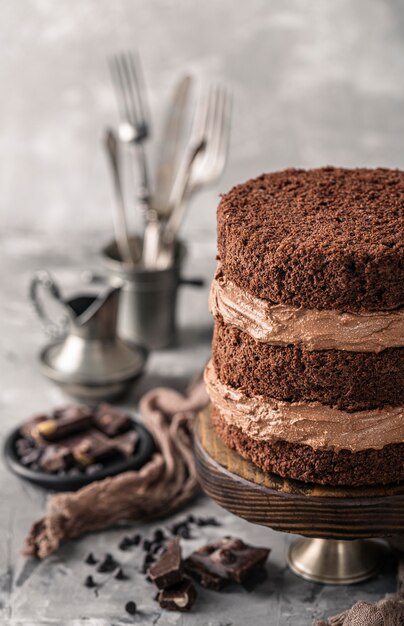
(120, 225)
(181, 184)
(209, 166)
(212, 123)
(170, 146)
(166, 250)
(134, 129)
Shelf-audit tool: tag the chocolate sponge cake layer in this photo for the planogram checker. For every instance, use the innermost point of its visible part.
(329, 238)
(350, 381)
(301, 462)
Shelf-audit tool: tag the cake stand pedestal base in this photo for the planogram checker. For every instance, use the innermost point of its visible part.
(335, 562)
(337, 520)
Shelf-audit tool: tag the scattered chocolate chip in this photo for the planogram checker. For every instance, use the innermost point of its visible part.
(159, 535)
(90, 559)
(136, 539)
(207, 521)
(90, 582)
(130, 607)
(120, 575)
(180, 597)
(149, 558)
(191, 519)
(125, 543)
(156, 548)
(178, 528)
(147, 563)
(107, 565)
(146, 545)
(184, 533)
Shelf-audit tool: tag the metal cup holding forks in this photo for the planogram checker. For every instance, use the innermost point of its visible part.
(148, 298)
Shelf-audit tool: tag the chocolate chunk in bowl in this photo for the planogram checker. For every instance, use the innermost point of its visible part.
(64, 422)
(70, 447)
(111, 420)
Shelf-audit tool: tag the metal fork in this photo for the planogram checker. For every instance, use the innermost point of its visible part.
(134, 129)
(212, 126)
(210, 164)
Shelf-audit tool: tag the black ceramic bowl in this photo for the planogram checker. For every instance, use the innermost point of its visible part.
(144, 450)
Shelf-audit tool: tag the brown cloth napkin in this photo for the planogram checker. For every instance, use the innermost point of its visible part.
(158, 489)
(387, 612)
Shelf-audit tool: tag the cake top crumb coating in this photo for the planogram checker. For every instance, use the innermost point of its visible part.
(328, 238)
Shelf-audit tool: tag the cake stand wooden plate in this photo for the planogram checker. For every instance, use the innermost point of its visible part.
(321, 512)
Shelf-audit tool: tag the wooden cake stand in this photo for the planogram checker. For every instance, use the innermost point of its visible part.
(336, 522)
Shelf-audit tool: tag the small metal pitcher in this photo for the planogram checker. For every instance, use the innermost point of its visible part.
(148, 300)
(87, 359)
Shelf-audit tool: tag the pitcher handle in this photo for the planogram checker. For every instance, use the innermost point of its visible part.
(42, 279)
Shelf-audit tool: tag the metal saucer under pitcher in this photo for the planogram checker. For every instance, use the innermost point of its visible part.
(86, 359)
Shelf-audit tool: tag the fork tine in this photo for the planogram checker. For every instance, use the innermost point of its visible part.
(139, 82)
(119, 83)
(130, 89)
(212, 108)
(200, 115)
(215, 128)
(223, 131)
(205, 160)
(227, 113)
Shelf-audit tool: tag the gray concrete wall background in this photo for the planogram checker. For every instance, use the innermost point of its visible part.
(314, 83)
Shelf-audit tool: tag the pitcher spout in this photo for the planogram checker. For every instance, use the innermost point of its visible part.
(99, 319)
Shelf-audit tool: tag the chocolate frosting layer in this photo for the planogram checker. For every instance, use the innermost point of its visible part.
(311, 423)
(280, 324)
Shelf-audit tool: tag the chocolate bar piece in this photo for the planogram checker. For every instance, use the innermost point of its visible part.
(180, 597)
(167, 571)
(29, 429)
(223, 561)
(55, 459)
(111, 421)
(68, 422)
(126, 444)
(68, 438)
(90, 446)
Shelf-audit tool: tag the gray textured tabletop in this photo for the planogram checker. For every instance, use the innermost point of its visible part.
(314, 83)
(52, 592)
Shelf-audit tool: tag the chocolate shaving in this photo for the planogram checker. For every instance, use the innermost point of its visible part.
(158, 489)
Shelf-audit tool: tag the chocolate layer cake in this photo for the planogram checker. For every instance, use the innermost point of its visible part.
(307, 371)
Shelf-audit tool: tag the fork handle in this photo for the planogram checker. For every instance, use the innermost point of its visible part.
(179, 193)
(140, 163)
